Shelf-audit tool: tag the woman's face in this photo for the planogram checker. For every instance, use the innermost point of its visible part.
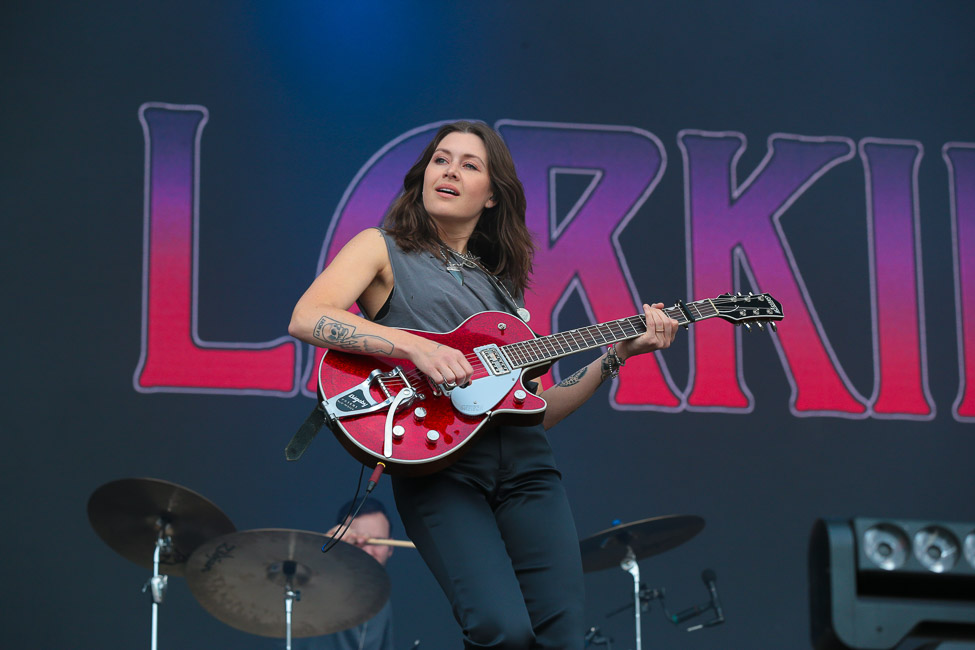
(456, 184)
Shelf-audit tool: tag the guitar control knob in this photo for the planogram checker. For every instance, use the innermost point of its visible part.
(433, 436)
(398, 431)
(419, 413)
(520, 396)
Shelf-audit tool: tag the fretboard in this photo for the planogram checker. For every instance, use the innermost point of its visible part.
(555, 346)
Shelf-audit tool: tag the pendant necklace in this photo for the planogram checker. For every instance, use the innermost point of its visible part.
(470, 260)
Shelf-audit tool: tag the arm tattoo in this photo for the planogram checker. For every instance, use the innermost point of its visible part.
(574, 378)
(341, 336)
(605, 369)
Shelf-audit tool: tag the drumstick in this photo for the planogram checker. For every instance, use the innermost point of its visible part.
(403, 543)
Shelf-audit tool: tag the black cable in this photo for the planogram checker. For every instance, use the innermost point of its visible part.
(341, 530)
(370, 486)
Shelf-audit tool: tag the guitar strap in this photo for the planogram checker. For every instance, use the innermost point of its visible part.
(506, 297)
(306, 433)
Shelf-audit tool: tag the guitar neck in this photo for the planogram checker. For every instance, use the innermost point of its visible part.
(546, 349)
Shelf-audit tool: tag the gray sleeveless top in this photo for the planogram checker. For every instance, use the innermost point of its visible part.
(427, 297)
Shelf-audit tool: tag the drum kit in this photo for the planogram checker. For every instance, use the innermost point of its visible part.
(246, 579)
(250, 579)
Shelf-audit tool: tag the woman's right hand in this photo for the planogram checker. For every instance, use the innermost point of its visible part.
(442, 364)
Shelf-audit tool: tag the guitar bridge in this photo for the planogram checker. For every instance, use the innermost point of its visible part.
(359, 399)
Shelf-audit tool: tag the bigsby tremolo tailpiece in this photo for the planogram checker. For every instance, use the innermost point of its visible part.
(359, 399)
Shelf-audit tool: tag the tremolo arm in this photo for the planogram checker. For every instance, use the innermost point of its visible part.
(359, 399)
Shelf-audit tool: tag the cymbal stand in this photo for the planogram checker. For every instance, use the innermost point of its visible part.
(629, 564)
(288, 567)
(157, 583)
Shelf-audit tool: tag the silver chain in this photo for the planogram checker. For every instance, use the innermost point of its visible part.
(472, 261)
(467, 259)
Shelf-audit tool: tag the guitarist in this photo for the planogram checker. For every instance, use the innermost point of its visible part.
(495, 528)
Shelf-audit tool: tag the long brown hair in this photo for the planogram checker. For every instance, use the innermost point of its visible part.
(501, 238)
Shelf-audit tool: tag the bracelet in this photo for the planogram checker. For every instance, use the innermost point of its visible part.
(614, 361)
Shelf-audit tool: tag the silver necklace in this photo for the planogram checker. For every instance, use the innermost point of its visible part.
(455, 270)
(471, 261)
(467, 259)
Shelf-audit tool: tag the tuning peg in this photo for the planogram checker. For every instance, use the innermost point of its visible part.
(772, 325)
(747, 326)
(760, 326)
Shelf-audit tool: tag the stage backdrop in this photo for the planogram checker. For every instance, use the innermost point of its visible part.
(175, 175)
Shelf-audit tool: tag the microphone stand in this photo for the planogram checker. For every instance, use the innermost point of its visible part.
(693, 612)
(644, 595)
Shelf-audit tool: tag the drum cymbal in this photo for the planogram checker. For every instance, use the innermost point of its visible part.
(239, 578)
(128, 514)
(607, 548)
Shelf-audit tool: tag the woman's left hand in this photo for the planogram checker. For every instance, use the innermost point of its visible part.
(661, 330)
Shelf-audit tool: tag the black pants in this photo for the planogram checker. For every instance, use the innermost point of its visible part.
(496, 530)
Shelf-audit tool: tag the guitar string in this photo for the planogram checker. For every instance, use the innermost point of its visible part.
(539, 343)
(549, 341)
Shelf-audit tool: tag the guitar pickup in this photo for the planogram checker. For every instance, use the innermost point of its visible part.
(493, 360)
(359, 399)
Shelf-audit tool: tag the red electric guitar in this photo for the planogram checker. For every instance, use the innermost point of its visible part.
(398, 416)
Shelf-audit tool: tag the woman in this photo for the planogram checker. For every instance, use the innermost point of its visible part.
(495, 527)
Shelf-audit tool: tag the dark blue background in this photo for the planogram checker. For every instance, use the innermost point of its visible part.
(300, 95)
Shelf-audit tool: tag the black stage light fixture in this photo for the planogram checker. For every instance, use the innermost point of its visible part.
(891, 583)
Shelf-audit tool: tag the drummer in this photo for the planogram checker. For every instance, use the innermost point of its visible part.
(376, 633)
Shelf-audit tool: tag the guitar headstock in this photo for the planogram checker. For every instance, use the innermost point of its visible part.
(754, 308)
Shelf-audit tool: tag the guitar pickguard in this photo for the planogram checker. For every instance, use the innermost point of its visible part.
(483, 394)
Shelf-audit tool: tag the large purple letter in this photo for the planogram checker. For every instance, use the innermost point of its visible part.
(960, 158)
(582, 253)
(728, 223)
(174, 359)
(900, 359)
(364, 203)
